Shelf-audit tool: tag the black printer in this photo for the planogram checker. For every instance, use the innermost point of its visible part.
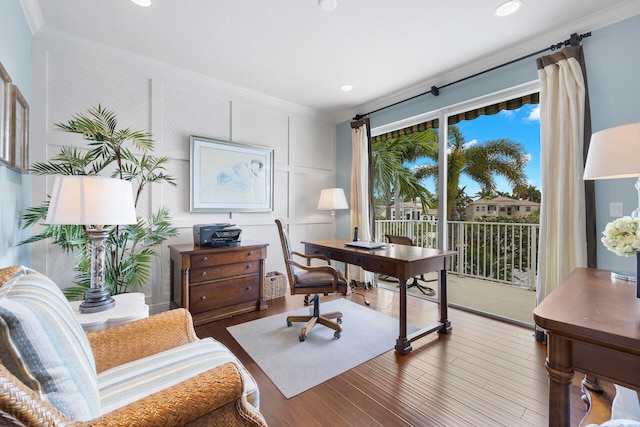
(216, 235)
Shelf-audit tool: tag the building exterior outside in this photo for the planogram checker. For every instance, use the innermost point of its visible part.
(501, 206)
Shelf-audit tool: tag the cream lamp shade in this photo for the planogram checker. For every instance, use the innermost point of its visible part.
(95, 202)
(332, 199)
(614, 153)
(91, 200)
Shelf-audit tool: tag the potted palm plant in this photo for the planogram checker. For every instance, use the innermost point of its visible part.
(130, 248)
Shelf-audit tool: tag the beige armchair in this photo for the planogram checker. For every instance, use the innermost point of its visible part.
(215, 396)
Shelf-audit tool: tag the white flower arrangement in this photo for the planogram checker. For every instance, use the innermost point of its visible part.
(622, 236)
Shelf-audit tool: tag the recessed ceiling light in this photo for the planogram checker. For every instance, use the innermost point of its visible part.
(143, 3)
(507, 8)
(346, 88)
(327, 5)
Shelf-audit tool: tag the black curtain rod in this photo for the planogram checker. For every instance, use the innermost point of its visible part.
(573, 40)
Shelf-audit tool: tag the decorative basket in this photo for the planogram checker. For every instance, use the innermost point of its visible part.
(275, 285)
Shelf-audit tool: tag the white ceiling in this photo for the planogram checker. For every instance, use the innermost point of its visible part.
(292, 50)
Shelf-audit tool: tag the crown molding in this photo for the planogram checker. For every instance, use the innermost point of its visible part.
(33, 15)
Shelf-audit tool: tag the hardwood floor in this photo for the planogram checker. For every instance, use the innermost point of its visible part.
(485, 373)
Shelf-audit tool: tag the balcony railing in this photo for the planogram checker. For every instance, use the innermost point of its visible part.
(494, 251)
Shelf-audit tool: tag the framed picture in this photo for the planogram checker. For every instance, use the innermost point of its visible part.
(5, 110)
(19, 131)
(230, 177)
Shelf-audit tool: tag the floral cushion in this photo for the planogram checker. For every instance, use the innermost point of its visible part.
(43, 344)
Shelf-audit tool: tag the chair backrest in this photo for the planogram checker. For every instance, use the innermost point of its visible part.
(44, 346)
(286, 252)
(399, 240)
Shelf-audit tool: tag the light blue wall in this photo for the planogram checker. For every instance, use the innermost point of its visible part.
(15, 188)
(613, 61)
(613, 70)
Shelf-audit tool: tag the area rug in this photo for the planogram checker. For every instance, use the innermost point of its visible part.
(296, 366)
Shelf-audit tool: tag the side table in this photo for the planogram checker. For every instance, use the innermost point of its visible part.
(129, 307)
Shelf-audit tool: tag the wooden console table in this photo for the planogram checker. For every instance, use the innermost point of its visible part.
(402, 262)
(214, 283)
(593, 326)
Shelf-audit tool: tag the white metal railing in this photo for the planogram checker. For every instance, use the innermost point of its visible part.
(495, 251)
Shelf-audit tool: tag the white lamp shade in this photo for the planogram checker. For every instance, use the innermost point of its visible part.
(91, 200)
(614, 153)
(332, 199)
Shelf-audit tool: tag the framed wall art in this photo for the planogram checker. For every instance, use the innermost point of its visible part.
(19, 131)
(5, 110)
(230, 177)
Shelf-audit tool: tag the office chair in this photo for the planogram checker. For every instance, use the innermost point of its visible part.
(403, 240)
(312, 280)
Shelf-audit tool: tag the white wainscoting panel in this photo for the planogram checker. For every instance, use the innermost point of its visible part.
(304, 195)
(75, 85)
(312, 143)
(258, 126)
(187, 111)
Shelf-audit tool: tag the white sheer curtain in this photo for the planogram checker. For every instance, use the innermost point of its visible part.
(563, 101)
(360, 208)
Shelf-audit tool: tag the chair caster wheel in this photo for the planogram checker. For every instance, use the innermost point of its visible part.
(289, 324)
(337, 335)
(339, 320)
(302, 338)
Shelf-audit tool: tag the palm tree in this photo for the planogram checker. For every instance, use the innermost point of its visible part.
(130, 249)
(393, 180)
(480, 162)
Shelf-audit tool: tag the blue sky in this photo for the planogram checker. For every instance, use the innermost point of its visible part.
(521, 125)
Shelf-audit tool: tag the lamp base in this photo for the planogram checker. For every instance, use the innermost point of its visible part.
(97, 300)
(629, 276)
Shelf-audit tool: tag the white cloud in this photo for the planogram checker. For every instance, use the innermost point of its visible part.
(534, 115)
(508, 113)
(470, 143)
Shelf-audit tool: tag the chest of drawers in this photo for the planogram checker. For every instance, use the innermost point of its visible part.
(214, 283)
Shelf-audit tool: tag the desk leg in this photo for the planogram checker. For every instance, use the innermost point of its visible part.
(560, 373)
(403, 345)
(442, 299)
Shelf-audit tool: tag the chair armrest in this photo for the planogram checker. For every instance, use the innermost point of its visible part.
(25, 405)
(318, 268)
(141, 338)
(190, 400)
(308, 258)
(598, 405)
(215, 395)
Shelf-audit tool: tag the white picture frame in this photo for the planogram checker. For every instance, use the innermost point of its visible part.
(230, 177)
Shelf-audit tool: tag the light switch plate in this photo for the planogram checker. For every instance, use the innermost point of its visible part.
(615, 210)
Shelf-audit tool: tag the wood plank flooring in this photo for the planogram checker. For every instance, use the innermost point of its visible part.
(485, 373)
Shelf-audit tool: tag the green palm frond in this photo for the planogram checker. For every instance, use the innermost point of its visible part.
(130, 249)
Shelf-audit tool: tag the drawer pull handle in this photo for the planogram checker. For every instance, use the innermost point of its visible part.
(204, 258)
(250, 253)
(248, 266)
(248, 288)
(203, 298)
(204, 273)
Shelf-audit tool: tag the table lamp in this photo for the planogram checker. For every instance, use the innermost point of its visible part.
(615, 153)
(332, 199)
(95, 202)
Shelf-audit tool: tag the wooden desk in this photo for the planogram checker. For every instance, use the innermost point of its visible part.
(593, 326)
(399, 261)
